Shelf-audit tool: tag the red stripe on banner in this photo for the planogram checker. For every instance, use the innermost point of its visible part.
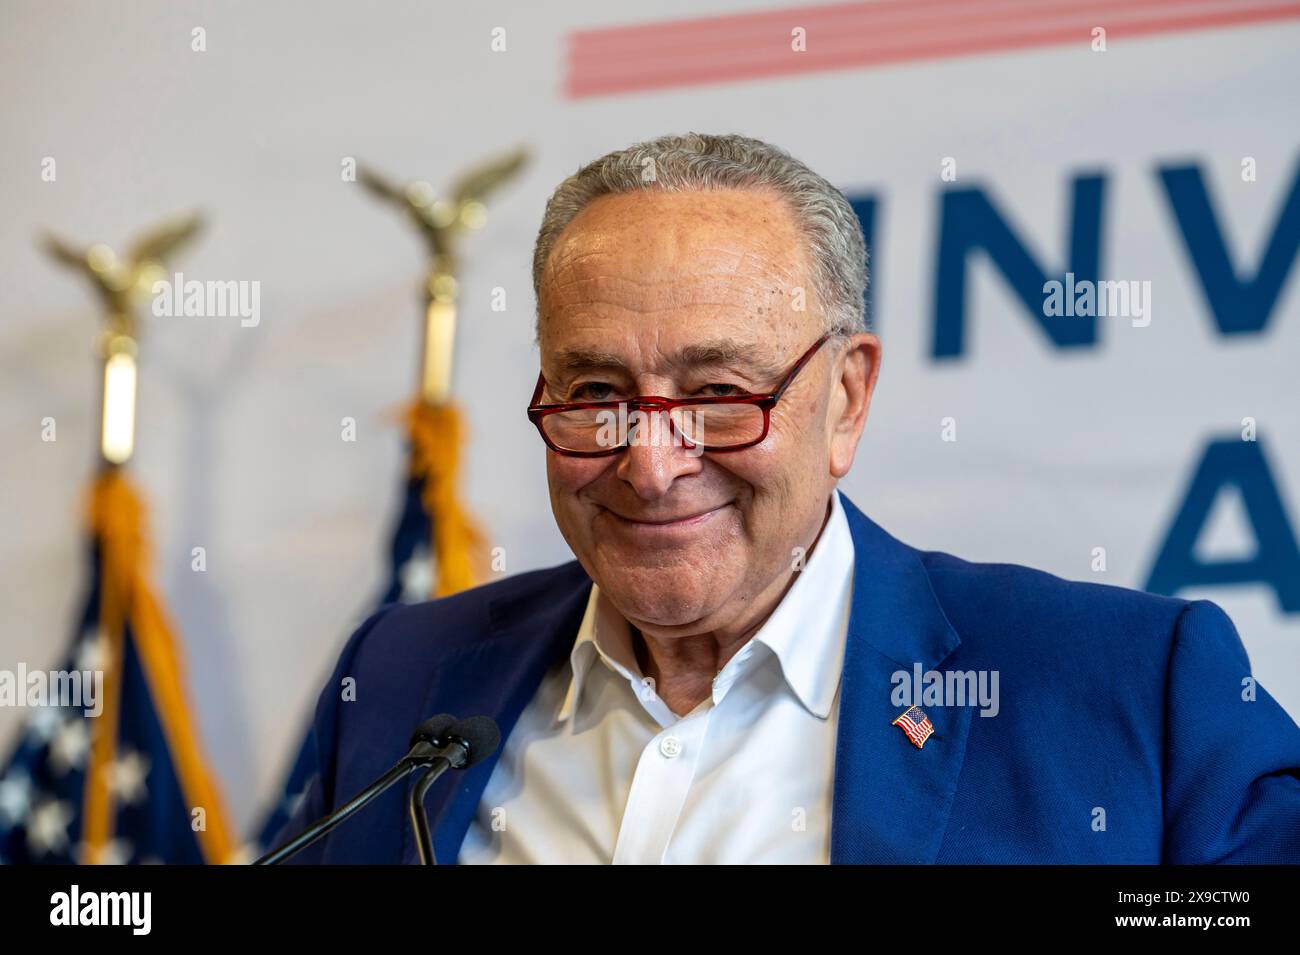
(739, 47)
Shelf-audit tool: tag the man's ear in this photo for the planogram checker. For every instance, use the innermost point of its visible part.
(857, 367)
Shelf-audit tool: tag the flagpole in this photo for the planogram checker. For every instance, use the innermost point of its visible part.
(432, 512)
(117, 524)
(435, 424)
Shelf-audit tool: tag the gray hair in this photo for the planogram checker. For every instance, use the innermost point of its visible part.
(696, 161)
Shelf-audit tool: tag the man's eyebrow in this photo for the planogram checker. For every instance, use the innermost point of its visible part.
(723, 351)
(585, 359)
(720, 351)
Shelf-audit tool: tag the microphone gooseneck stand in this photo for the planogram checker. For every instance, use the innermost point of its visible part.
(463, 745)
(426, 749)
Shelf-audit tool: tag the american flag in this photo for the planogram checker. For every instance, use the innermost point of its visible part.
(127, 781)
(916, 725)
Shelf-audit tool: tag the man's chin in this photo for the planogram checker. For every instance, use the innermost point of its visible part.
(663, 596)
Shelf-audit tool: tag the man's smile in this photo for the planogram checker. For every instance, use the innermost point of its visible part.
(665, 527)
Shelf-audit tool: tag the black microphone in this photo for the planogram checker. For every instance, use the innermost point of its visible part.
(428, 737)
(477, 736)
(427, 745)
(464, 744)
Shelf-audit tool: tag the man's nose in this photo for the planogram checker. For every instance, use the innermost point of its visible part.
(654, 457)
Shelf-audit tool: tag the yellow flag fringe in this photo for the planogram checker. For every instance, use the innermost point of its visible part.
(117, 521)
(437, 435)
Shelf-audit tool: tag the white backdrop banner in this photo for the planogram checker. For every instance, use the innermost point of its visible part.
(1083, 271)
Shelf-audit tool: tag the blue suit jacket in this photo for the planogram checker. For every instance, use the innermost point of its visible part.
(1115, 706)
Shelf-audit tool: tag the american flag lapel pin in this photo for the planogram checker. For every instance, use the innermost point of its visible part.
(916, 725)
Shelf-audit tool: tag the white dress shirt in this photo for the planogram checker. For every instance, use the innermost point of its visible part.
(598, 769)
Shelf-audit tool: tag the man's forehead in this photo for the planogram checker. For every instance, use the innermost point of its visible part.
(700, 235)
(688, 268)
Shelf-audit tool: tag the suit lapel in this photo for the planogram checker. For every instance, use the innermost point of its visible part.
(891, 800)
(496, 675)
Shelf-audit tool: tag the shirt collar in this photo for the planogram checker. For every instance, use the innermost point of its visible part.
(805, 632)
(807, 629)
(605, 635)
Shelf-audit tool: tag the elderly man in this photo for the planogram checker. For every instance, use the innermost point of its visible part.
(740, 666)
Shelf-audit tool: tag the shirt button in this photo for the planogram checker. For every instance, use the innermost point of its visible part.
(670, 746)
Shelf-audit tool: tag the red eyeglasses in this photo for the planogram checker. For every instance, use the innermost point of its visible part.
(592, 429)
